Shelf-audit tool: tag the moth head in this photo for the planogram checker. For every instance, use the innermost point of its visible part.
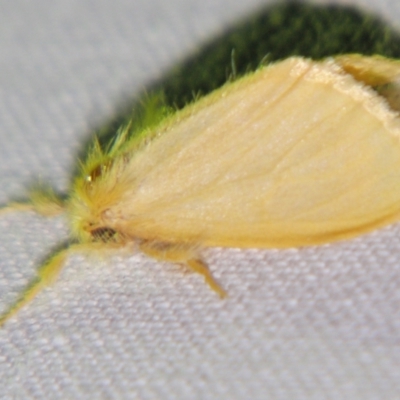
(92, 196)
(89, 213)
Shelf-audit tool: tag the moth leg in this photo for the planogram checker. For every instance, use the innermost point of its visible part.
(199, 266)
(47, 274)
(183, 255)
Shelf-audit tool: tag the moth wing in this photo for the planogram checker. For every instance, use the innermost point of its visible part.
(373, 70)
(296, 154)
(383, 74)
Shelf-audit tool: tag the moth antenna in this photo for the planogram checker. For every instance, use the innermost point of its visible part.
(46, 202)
(41, 200)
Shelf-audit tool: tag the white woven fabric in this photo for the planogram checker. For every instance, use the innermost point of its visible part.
(314, 323)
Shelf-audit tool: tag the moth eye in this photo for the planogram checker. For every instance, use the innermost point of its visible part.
(98, 171)
(103, 234)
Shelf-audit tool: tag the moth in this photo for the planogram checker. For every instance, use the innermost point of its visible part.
(298, 153)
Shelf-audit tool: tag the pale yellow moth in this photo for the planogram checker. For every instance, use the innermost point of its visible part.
(298, 153)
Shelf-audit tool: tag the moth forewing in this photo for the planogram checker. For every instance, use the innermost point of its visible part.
(298, 153)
